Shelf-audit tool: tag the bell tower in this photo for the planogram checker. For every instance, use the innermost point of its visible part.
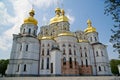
(29, 28)
(91, 33)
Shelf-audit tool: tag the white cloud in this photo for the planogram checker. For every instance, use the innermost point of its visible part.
(69, 15)
(43, 3)
(71, 18)
(5, 18)
(20, 9)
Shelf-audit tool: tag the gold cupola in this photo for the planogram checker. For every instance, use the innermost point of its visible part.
(90, 28)
(63, 17)
(56, 18)
(31, 18)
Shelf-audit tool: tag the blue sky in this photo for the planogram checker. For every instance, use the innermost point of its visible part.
(13, 12)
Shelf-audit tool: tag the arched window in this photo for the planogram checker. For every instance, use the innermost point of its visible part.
(74, 52)
(63, 51)
(63, 45)
(29, 31)
(43, 52)
(42, 64)
(102, 53)
(81, 63)
(47, 51)
(18, 67)
(70, 62)
(70, 52)
(91, 39)
(34, 32)
(95, 39)
(85, 54)
(48, 45)
(75, 61)
(74, 45)
(69, 45)
(104, 68)
(23, 31)
(81, 54)
(97, 53)
(86, 63)
(64, 61)
(20, 47)
(64, 28)
(85, 48)
(24, 67)
(99, 68)
(80, 48)
(26, 47)
(53, 30)
(42, 45)
(47, 63)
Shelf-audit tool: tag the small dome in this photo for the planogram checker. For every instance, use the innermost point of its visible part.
(31, 18)
(63, 17)
(57, 9)
(89, 21)
(90, 28)
(56, 18)
(60, 16)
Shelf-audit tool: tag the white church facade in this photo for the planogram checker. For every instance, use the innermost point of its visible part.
(56, 50)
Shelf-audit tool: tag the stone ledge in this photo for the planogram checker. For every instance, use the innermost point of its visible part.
(63, 78)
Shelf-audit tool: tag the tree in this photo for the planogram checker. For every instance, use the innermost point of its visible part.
(113, 8)
(114, 66)
(3, 66)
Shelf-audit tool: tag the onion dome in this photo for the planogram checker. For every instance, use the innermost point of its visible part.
(63, 17)
(56, 18)
(67, 33)
(31, 19)
(90, 28)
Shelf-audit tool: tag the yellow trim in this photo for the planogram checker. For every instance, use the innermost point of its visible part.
(47, 38)
(66, 34)
(80, 40)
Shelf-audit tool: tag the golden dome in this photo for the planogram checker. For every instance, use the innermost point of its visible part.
(46, 38)
(90, 28)
(31, 18)
(67, 33)
(89, 21)
(56, 18)
(63, 17)
(57, 9)
(60, 16)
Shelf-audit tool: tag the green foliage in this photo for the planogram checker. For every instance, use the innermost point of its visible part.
(114, 66)
(3, 66)
(113, 8)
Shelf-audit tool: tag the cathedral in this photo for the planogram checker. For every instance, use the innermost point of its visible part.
(57, 51)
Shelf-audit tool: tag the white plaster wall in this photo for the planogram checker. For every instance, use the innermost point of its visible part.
(56, 60)
(45, 47)
(93, 35)
(27, 27)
